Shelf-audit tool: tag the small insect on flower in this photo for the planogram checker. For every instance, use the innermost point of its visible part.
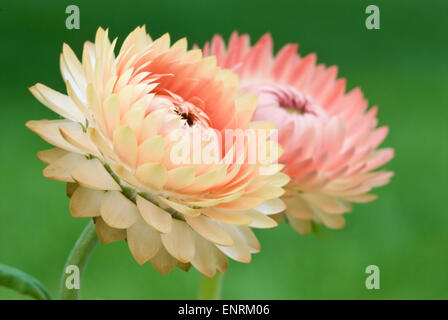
(115, 149)
(329, 137)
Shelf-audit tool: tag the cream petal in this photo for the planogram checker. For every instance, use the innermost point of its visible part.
(118, 211)
(242, 203)
(179, 178)
(204, 181)
(267, 192)
(126, 175)
(152, 174)
(112, 113)
(58, 102)
(260, 220)
(49, 131)
(79, 140)
(51, 155)
(154, 215)
(251, 239)
(92, 174)
(86, 203)
(179, 242)
(104, 146)
(240, 250)
(71, 68)
(209, 229)
(271, 206)
(279, 179)
(60, 170)
(151, 124)
(163, 262)
(107, 234)
(222, 263)
(186, 210)
(229, 217)
(143, 241)
(151, 150)
(204, 259)
(125, 145)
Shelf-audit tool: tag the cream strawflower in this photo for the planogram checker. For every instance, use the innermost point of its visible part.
(116, 148)
(329, 137)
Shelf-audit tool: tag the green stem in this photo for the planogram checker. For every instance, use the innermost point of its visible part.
(210, 288)
(78, 257)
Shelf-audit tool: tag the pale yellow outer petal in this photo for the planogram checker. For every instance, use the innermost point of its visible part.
(209, 229)
(259, 220)
(125, 145)
(205, 258)
(240, 250)
(163, 262)
(179, 178)
(60, 169)
(92, 174)
(251, 239)
(272, 206)
(154, 215)
(86, 203)
(80, 140)
(51, 155)
(118, 211)
(152, 174)
(229, 217)
(151, 151)
(49, 131)
(179, 242)
(58, 102)
(107, 234)
(143, 241)
(186, 210)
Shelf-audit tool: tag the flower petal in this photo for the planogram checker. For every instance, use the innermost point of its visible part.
(154, 215)
(143, 241)
(118, 211)
(209, 229)
(92, 174)
(107, 234)
(152, 174)
(86, 203)
(179, 242)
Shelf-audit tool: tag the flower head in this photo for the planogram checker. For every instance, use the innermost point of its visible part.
(128, 120)
(330, 138)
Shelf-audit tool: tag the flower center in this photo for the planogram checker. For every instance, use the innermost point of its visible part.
(191, 111)
(286, 97)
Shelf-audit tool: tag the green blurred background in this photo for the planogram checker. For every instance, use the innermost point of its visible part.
(402, 68)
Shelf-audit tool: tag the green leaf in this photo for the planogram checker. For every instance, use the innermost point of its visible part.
(22, 282)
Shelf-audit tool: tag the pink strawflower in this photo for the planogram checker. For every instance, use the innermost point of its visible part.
(329, 137)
